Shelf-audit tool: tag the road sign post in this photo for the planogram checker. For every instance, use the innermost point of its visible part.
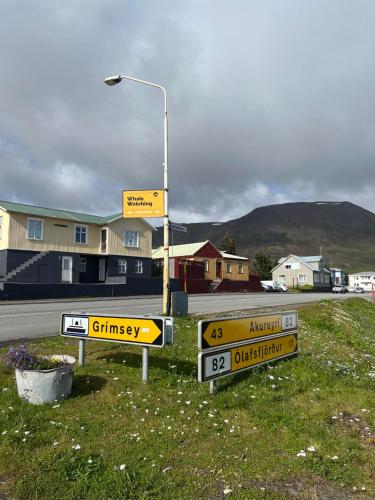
(235, 344)
(145, 331)
(81, 352)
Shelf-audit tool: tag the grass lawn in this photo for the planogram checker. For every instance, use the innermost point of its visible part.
(302, 428)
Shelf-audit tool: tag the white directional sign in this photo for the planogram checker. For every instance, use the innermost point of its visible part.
(177, 227)
(219, 363)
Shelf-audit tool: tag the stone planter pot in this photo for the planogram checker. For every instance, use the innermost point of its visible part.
(44, 386)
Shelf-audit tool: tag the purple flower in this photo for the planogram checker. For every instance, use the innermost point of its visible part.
(19, 357)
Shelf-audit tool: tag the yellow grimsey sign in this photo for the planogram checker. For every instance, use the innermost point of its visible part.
(148, 203)
(250, 355)
(130, 330)
(142, 331)
(230, 330)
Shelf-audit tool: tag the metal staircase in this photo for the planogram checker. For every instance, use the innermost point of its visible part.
(25, 265)
(214, 285)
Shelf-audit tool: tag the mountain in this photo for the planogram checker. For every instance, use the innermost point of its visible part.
(344, 233)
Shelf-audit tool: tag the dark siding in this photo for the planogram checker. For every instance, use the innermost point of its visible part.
(134, 286)
(92, 270)
(112, 266)
(3, 262)
(45, 270)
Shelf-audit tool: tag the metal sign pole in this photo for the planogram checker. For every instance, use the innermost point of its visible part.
(81, 352)
(213, 387)
(145, 365)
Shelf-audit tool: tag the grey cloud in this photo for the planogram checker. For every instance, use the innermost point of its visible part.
(264, 97)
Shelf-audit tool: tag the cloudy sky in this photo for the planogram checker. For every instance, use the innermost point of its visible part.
(269, 101)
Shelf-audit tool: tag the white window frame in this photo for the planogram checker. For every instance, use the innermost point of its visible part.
(228, 267)
(136, 245)
(138, 267)
(302, 278)
(122, 266)
(281, 278)
(240, 269)
(206, 265)
(82, 264)
(287, 266)
(29, 219)
(75, 234)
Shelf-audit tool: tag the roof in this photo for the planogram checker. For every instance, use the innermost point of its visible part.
(363, 273)
(312, 258)
(9, 206)
(230, 256)
(304, 260)
(179, 250)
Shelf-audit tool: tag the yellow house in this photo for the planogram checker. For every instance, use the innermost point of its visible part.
(44, 245)
(235, 268)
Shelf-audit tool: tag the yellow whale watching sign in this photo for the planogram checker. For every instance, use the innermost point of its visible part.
(139, 330)
(148, 203)
(225, 331)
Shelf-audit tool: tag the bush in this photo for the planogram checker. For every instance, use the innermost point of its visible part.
(306, 288)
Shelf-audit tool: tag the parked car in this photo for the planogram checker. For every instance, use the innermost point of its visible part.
(359, 289)
(339, 289)
(273, 286)
(267, 288)
(280, 287)
(350, 289)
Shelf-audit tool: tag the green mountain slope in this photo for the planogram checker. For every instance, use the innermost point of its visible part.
(343, 232)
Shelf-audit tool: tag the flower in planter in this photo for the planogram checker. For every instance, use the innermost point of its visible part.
(20, 358)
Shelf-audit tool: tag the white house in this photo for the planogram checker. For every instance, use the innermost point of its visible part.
(296, 271)
(365, 280)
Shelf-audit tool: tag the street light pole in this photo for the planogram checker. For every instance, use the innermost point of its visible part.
(113, 80)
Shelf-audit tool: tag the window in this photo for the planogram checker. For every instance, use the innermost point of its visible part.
(288, 266)
(131, 239)
(206, 266)
(302, 278)
(122, 266)
(326, 278)
(229, 267)
(1, 227)
(34, 229)
(82, 264)
(281, 278)
(80, 234)
(138, 267)
(240, 268)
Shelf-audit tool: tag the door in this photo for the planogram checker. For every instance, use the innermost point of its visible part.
(103, 240)
(101, 269)
(67, 269)
(218, 269)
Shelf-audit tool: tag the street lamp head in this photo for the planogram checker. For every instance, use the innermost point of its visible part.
(113, 80)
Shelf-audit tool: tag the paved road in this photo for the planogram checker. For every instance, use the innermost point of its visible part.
(20, 320)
